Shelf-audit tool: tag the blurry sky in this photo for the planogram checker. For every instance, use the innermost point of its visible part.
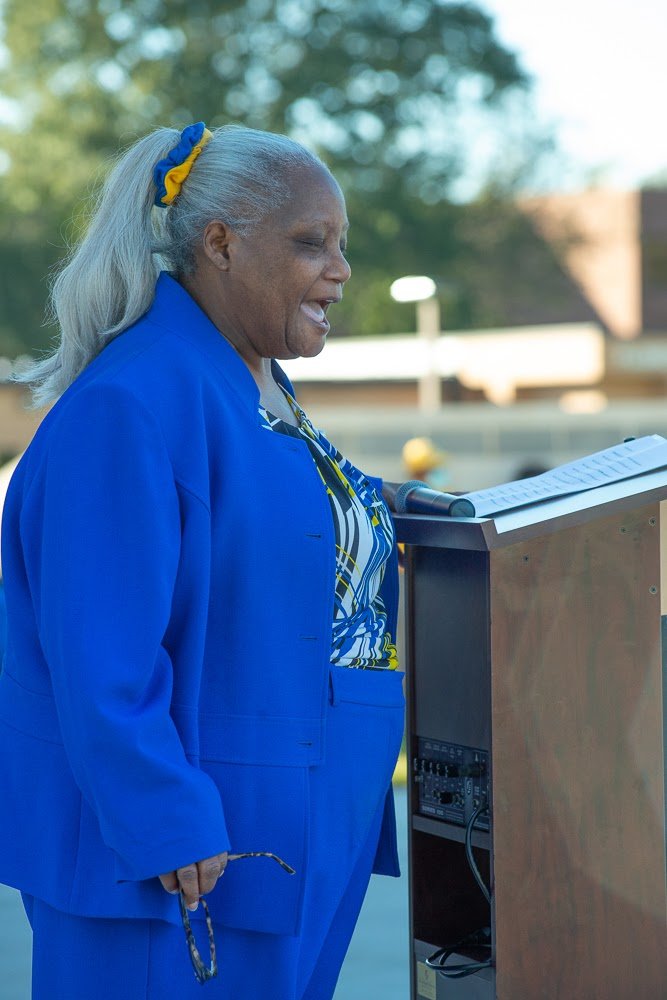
(600, 73)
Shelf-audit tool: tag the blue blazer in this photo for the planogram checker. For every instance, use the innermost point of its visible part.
(169, 569)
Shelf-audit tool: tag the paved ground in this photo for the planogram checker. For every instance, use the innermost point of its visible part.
(376, 965)
(14, 948)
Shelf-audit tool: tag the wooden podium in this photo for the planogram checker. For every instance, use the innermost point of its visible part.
(535, 685)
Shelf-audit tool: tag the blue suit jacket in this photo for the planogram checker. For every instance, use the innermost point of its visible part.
(169, 571)
(3, 620)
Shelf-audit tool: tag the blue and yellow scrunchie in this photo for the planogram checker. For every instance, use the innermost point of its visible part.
(170, 172)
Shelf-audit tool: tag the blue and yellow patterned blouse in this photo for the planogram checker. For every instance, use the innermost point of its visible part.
(364, 536)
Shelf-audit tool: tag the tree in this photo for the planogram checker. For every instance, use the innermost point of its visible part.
(377, 88)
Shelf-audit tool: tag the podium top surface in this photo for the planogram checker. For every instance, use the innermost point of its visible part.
(482, 533)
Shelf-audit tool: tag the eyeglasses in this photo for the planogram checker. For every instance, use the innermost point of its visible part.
(210, 971)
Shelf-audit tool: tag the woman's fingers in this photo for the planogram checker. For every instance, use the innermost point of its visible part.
(195, 880)
(169, 882)
(210, 871)
(188, 879)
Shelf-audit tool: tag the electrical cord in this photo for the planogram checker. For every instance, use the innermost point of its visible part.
(481, 808)
(478, 939)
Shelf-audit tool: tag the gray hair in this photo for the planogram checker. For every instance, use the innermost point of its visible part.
(108, 280)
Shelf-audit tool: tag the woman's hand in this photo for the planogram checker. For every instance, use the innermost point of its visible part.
(196, 879)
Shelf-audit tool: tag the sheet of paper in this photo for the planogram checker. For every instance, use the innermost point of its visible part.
(622, 461)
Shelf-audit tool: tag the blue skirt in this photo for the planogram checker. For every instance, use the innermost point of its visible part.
(79, 958)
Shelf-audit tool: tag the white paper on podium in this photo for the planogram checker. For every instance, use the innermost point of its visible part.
(632, 458)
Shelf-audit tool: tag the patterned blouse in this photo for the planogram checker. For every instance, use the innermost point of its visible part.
(364, 536)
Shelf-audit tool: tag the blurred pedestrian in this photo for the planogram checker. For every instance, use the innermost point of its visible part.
(529, 470)
(422, 460)
(201, 597)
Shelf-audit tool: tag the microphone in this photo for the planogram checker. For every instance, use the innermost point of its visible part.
(415, 497)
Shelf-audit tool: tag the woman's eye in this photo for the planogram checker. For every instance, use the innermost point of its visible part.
(318, 244)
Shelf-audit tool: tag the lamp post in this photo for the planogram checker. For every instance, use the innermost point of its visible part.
(421, 290)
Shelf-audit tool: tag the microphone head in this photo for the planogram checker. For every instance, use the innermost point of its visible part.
(462, 507)
(402, 493)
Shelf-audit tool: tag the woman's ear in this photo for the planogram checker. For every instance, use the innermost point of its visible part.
(216, 244)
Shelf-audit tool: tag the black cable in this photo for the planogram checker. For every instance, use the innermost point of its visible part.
(481, 808)
(438, 959)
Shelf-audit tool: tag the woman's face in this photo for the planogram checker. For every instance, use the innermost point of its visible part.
(279, 280)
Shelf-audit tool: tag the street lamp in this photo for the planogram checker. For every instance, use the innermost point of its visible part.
(420, 289)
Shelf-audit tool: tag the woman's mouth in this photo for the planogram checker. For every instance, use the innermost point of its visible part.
(315, 311)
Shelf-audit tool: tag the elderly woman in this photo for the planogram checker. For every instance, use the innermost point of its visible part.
(201, 599)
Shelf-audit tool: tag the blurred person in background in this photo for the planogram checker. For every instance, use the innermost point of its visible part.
(423, 461)
(201, 598)
(528, 470)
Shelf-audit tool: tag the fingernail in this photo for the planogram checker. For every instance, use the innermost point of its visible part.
(193, 906)
(174, 892)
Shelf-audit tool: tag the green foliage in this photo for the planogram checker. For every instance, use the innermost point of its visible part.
(375, 87)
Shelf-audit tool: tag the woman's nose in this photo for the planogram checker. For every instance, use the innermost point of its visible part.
(339, 268)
